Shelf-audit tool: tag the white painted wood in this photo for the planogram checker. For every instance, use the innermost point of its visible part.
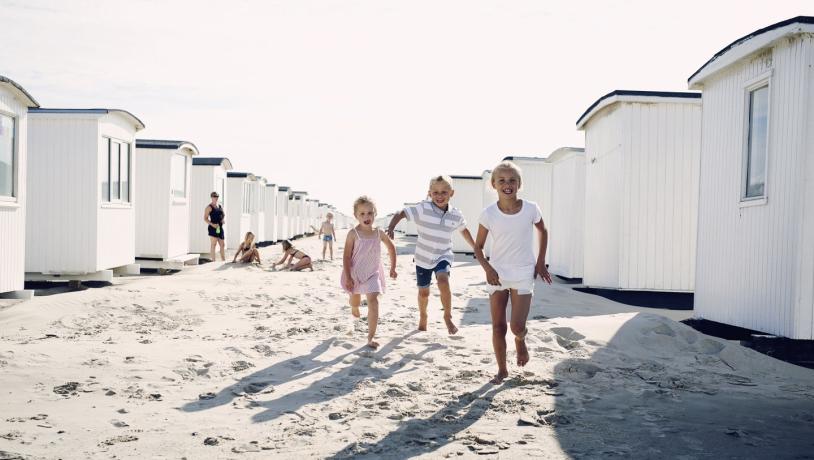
(755, 264)
(205, 179)
(69, 228)
(283, 211)
(489, 197)
(641, 196)
(258, 218)
(536, 187)
(271, 230)
(238, 222)
(567, 225)
(468, 198)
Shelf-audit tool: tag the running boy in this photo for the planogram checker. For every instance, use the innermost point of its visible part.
(435, 220)
(328, 235)
(513, 266)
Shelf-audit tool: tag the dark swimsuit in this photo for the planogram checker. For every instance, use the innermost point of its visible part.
(215, 217)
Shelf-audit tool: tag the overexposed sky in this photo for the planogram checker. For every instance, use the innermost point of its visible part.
(342, 98)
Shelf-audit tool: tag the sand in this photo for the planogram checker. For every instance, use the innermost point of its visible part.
(231, 361)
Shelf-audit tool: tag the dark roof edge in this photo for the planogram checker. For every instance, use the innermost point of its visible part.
(628, 92)
(163, 144)
(465, 177)
(31, 101)
(96, 111)
(512, 158)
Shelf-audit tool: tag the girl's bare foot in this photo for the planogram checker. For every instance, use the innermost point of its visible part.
(373, 344)
(354, 310)
(498, 379)
(451, 328)
(522, 351)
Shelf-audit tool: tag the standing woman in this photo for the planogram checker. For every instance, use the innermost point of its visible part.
(214, 215)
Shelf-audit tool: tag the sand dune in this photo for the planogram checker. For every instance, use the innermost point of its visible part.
(230, 361)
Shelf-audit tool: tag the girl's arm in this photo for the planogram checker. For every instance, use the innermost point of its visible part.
(391, 250)
(395, 221)
(239, 250)
(281, 261)
(540, 268)
(347, 258)
(491, 275)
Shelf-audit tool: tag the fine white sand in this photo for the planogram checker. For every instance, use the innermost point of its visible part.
(229, 361)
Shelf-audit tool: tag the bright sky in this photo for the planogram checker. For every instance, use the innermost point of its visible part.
(350, 97)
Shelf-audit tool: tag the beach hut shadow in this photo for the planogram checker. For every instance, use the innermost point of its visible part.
(342, 381)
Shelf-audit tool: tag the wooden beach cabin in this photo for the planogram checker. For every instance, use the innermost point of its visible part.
(163, 204)
(536, 185)
(468, 198)
(298, 213)
(283, 213)
(208, 175)
(14, 104)
(567, 225)
(270, 213)
(755, 257)
(81, 190)
(240, 193)
(642, 151)
(258, 211)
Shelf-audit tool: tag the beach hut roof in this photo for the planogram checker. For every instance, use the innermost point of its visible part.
(124, 113)
(246, 175)
(465, 177)
(563, 152)
(271, 185)
(212, 161)
(21, 92)
(284, 188)
(166, 144)
(624, 95)
(516, 158)
(749, 44)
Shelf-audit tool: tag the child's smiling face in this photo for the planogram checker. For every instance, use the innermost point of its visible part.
(365, 214)
(506, 182)
(440, 193)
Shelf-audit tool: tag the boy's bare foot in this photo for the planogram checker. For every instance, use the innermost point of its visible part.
(373, 344)
(498, 379)
(422, 323)
(451, 328)
(522, 351)
(354, 310)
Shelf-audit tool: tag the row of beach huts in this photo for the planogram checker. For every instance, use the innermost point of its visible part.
(82, 199)
(708, 192)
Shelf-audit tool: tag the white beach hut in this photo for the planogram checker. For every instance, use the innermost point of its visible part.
(163, 204)
(642, 153)
(755, 257)
(489, 197)
(240, 193)
(298, 213)
(80, 187)
(283, 213)
(14, 105)
(258, 210)
(537, 180)
(567, 226)
(270, 213)
(468, 198)
(208, 175)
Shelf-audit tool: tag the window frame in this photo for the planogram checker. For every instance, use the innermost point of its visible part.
(118, 202)
(183, 198)
(763, 80)
(13, 200)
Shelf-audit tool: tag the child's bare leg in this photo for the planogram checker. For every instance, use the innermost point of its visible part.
(497, 305)
(331, 247)
(355, 300)
(372, 319)
(423, 300)
(324, 246)
(446, 301)
(520, 313)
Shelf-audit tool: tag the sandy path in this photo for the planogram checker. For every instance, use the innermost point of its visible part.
(226, 361)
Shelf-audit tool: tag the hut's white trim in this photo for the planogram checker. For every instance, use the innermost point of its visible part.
(164, 192)
(80, 217)
(284, 213)
(258, 224)
(755, 259)
(271, 230)
(239, 194)
(14, 105)
(468, 198)
(567, 226)
(489, 197)
(641, 195)
(208, 175)
(299, 213)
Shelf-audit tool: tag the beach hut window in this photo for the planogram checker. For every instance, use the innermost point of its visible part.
(179, 175)
(125, 172)
(115, 184)
(6, 156)
(116, 172)
(756, 143)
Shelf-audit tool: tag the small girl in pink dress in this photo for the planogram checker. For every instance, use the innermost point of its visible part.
(362, 269)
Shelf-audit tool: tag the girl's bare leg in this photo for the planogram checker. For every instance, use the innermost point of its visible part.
(355, 300)
(372, 319)
(497, 305)
(520, 313)
(324, 247)
(302, 264)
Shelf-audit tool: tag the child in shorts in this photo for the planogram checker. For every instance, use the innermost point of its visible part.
(328, 235)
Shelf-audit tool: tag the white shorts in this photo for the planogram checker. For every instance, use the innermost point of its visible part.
(523, 287)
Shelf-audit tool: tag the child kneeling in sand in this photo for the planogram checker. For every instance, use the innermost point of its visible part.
(435, 220)
(513, 268)
(362, 269)
(291, 253)
(247, 252)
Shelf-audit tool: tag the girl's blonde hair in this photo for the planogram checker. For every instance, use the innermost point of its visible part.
(247, 236)
(287, 245)
(507, 165)
(364, 199)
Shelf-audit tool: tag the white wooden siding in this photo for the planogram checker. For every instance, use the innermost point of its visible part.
(468, 198)
(567, 227)
(154, 201)
(282, 215)
(237, 222)
(13, 215)
(271, 213)
(258, 215)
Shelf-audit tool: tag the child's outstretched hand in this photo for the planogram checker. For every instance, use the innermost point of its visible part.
(393, 273)
(542, 271)
(491, 276)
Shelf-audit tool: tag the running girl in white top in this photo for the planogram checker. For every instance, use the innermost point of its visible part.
(513, 266)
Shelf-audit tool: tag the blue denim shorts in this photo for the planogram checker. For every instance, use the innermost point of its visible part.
(423, 276)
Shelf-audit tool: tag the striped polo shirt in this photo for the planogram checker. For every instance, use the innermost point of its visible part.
(435, 227)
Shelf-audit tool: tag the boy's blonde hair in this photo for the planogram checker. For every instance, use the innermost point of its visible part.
(364, 199)
(507, 165)
(330, 214)
(442, 179)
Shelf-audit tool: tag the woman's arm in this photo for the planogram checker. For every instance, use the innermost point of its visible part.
(391, 250)
(206, 214)
(540, 268)
(491, 275)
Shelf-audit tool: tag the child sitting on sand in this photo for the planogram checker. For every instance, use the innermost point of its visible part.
(328, 235)
(247, 251)
(435, 220)
(362, 270)
(291, 253)
(512, 268)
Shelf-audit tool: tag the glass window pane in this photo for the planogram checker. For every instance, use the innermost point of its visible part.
(6, 155)
(115, 194)
(178, 175)
(757, 142)
(125, 167)
(106, 172)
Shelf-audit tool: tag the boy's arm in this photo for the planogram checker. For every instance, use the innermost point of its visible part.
(468, 237)
(540, 268)
(394, 221)
(491, 275)
(391, 250)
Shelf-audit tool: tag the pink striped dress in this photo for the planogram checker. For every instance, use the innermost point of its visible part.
(366, 268)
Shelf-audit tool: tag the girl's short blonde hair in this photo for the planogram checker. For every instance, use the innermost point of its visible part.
(507, 165)
(364, 199)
